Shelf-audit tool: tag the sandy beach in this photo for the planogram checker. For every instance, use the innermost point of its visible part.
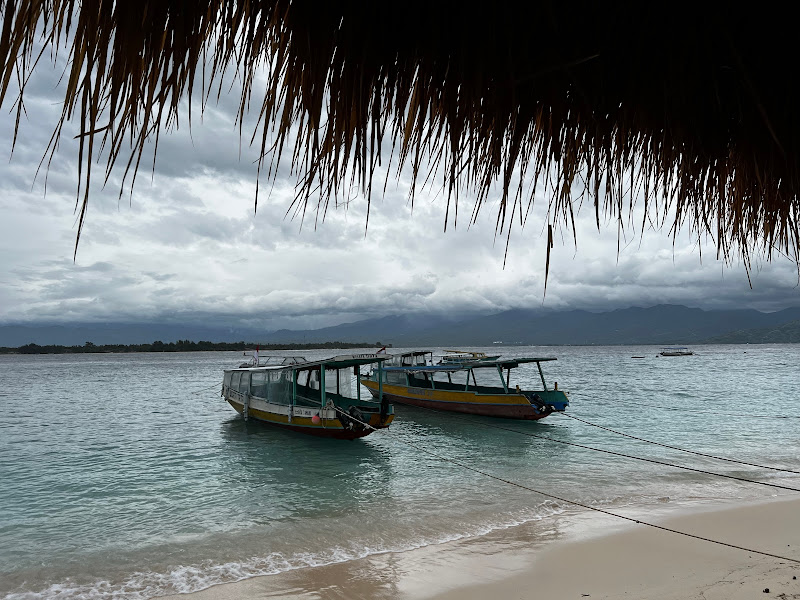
(602, 559)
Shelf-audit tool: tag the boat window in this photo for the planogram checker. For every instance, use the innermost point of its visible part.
(313, 380)
(226, 380)
(258, 384)
(235, 380)
(330, 380)
(441, 377)
(396, 377)
(302, 378)
(340, 381)
(280, 387)
(244, 382)
(487, 377)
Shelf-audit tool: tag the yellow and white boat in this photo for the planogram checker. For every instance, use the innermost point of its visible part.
(321, 397)
(413, 378)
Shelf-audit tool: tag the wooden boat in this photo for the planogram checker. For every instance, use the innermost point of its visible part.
(321, 397)
(463, 356)
(413, 379)
(676, 351)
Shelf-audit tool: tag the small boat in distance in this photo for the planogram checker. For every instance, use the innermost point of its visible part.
(676, 351)
(412, 378)
(463, 356)
(321, 397)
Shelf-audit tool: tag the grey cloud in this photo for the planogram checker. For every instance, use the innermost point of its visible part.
(166, 292)
(188, 245)
(160, 276)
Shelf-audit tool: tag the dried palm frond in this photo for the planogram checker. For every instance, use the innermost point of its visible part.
(693, 112)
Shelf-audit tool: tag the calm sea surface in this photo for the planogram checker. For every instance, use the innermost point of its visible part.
(128, 475)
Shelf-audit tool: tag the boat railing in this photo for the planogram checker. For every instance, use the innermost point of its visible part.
(272, 361)
(233, 393)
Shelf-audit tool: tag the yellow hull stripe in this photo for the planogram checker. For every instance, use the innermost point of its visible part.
(449, 395)
(261, 415)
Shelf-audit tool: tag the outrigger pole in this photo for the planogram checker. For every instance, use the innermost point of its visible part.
(539, 366)
(383, 404)
(294, 394)
(322, 385)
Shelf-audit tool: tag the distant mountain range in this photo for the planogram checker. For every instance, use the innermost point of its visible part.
(789, 333)
(663, 324)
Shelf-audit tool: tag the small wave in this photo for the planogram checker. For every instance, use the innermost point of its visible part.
(142, 585)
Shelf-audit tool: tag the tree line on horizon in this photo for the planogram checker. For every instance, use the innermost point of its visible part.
(179, 346)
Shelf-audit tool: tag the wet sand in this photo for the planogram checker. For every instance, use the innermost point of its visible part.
(601, 559)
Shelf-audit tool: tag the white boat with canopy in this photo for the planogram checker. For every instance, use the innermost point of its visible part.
(321, 397)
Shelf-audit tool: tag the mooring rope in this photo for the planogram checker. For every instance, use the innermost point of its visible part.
(633, 437)
(574, 502)
(704, 411)
(612, 452)
(206, 389)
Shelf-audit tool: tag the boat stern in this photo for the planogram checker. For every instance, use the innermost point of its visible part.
(549, 401)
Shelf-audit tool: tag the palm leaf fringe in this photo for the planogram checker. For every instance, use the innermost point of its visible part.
(692, 114)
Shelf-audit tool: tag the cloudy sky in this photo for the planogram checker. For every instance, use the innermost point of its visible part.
(188, 247)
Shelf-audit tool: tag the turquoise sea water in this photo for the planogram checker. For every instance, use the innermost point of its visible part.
(128, 475)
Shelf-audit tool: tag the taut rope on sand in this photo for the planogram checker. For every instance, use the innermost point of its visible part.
(574, 502)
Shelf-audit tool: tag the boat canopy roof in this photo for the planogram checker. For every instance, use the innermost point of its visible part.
(507, 363)
(344, 361)
(337, 362)
(511, 363)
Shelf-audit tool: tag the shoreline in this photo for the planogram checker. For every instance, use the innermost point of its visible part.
(578, 556)
(650, 564)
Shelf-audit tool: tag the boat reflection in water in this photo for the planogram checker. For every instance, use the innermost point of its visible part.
(413, 378)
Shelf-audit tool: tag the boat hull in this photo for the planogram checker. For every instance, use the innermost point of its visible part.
(327, 427)
(508, 406)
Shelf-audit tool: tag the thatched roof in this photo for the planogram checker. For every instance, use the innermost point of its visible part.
(694, 112)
